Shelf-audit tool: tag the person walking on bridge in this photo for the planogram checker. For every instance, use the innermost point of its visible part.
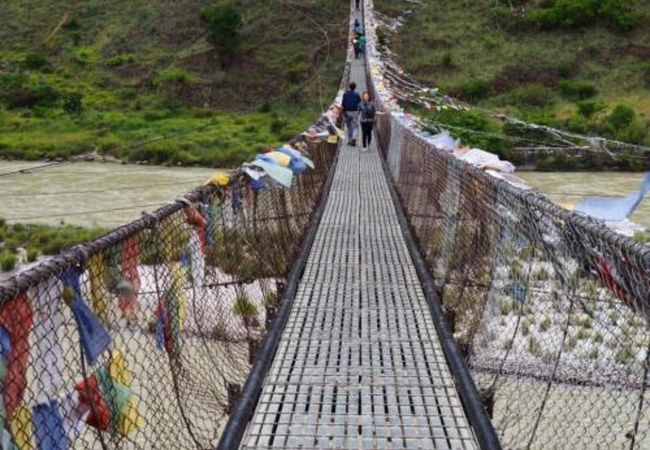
(361, 42)
(357, 28)
(351, 101)
(367, 111)
(357, 2)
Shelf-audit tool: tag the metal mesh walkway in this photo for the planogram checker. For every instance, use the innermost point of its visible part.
(359, 364)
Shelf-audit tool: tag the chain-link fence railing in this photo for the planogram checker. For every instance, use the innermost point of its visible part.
(550, 308)
(143, 338)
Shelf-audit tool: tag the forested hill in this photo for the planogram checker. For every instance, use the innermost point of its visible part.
(581, 65)
(78, 76)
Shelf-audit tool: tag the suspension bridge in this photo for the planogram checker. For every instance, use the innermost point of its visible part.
(392, 298)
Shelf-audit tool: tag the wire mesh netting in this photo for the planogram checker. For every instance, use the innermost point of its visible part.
(550, 308)
(143, 338)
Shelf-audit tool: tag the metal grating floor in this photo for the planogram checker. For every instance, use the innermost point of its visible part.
(359, 365)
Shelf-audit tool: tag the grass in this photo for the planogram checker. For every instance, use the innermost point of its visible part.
(39, 240)
(119, 73)
(228, 141)
(574, 77)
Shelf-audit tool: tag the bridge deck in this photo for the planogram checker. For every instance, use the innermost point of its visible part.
(359, 365)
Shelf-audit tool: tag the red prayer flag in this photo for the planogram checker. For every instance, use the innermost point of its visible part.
(16, 317)
(130, 257)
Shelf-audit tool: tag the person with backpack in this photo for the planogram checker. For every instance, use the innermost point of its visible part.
(357, 48)
(351, 101)
(361, 42)
(367, 111)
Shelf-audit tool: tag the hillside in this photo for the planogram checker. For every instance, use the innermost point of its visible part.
(580, 65)
(95, 76)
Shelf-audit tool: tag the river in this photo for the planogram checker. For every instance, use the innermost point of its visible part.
(90, 194)
(106, 194)
(566, 188)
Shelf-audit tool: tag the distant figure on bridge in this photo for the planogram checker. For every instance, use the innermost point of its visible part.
(362, 44)
(358, 30)
(357, 48)
(357, 2)
(351, 101)
(367, 111)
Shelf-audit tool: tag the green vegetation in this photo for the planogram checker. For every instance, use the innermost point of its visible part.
(8, 261)
(97, 77)
(39, 240)
(224, 29)
(545, 324)
(247, 310)
(534, 347)
(585, 70)
(272, 299)
(571, 14)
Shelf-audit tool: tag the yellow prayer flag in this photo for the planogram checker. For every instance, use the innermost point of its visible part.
(96, 269)
(220, 178)
(130, 420)
(282, 159)
(21, 428)
(118, 370)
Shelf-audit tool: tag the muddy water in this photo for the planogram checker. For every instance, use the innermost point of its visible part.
(566, 188)
(90, 194)
(107, 195)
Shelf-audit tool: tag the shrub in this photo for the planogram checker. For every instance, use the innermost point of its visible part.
(36, 61)
(73, 104)
(32, 254)
(621, 117)
(545, 324)
(565, 69)
(278, 125)
(72, 24)
(272, 299)
(580, 13)
(542, 274)
(174, 75)
(569, 13)
(382, 38)
(17, 93)
(45, 96)
(626, 353)
(622, 124)
(244, 307)
(534, 347)
(8, 261)
(571, 343)
(577, 90)
(587, 108)
(120, 60)
(224, 23)
(475, 89)
(535, 95)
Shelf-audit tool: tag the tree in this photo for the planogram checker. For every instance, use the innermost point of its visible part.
(224, 23)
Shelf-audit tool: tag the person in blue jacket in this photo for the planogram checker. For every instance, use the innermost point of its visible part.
(351, 100)
(358, 30)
